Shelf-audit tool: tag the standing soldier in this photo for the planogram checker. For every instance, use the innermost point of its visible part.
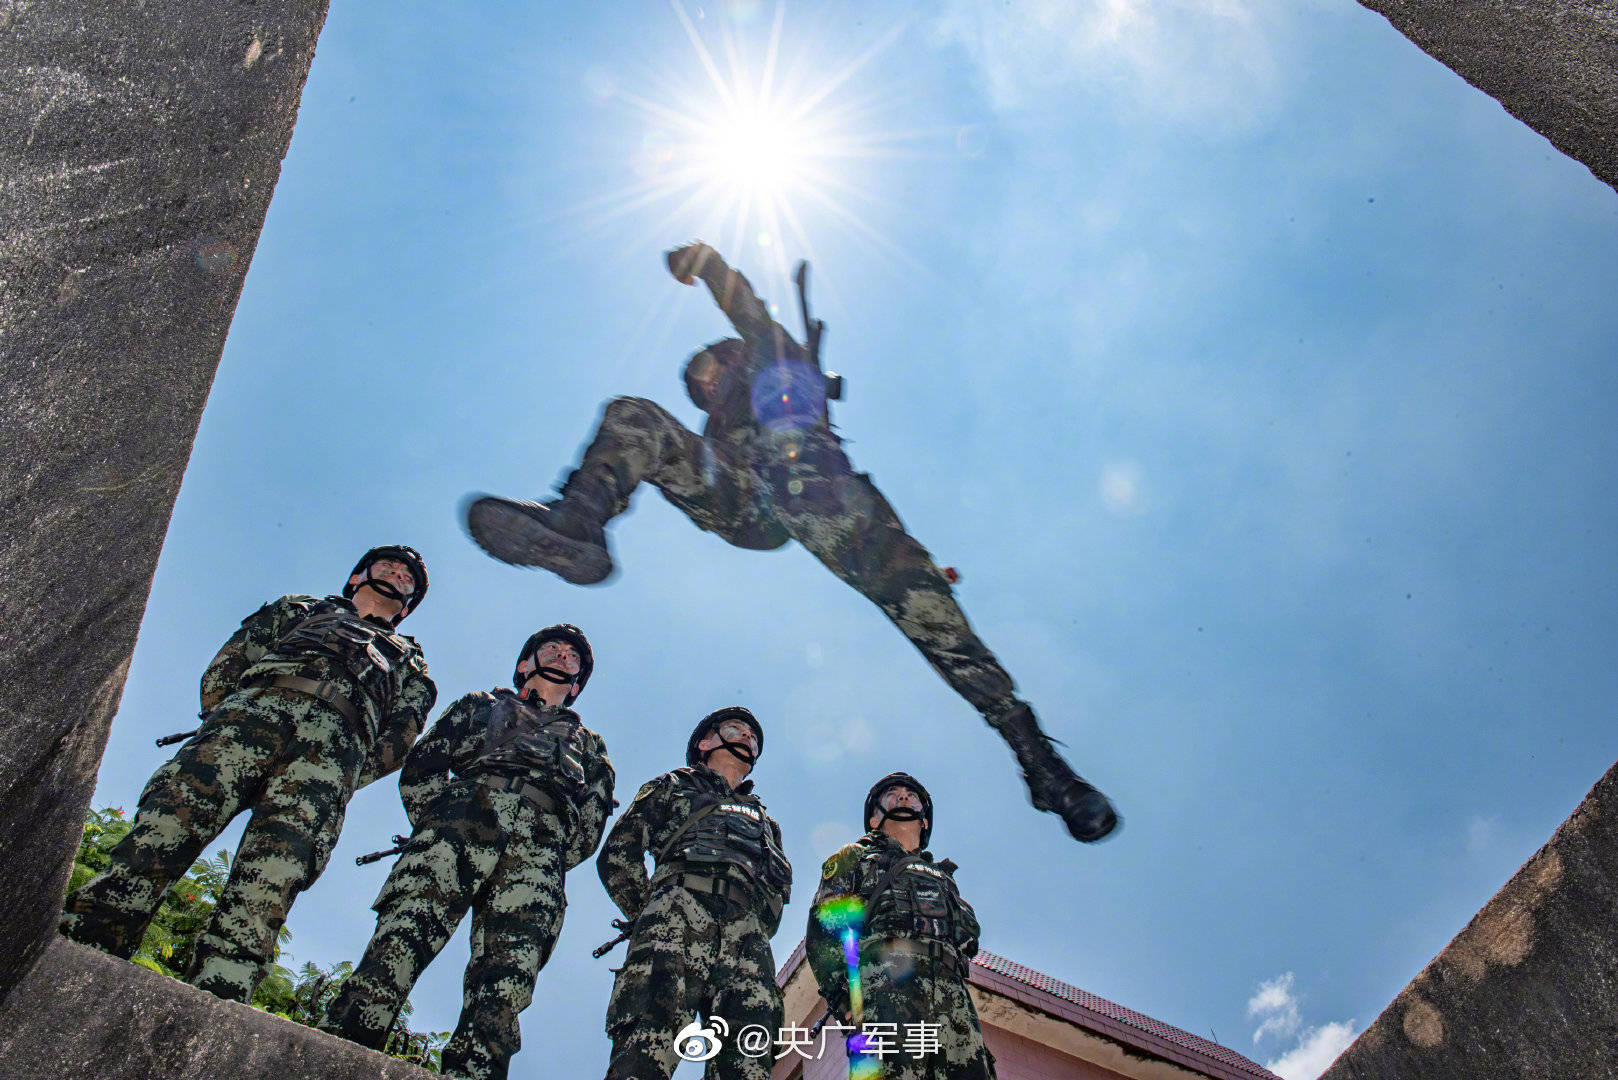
(767, 468)
(916, 941)
(507, 793)
(700, 927)
(309, 700)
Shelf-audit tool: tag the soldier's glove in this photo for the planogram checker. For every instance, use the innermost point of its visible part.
(687, 260)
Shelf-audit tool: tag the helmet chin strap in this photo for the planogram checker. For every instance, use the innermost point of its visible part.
(554, 675)
(388, 589)
(742, 751)
(898, 813)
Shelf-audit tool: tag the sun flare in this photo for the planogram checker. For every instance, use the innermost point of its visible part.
(751, 145)
(759, 151)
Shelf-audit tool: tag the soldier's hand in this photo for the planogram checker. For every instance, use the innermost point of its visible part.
(687, 260)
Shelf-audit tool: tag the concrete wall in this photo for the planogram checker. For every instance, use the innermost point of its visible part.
(1551, 63)
(139, 143)
(1529, 990)
(83, 1013)
(1019, 1058)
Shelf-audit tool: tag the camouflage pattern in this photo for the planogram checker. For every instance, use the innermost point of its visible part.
(291, 759)
(763, 473)
(903, 979)
(496, 852)
(689, 951)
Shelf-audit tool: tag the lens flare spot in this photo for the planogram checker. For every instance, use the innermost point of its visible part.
(214, 256)
(789, 395)
(842, 912)
(1121, 488)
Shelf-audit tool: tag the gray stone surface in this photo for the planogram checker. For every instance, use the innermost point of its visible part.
(1529, 990)
(1552, 63)
(139, 144)
(83, 1013)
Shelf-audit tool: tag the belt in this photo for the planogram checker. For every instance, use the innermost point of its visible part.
(326, 691)
(944, 955)
(532, 792)
(724, 888)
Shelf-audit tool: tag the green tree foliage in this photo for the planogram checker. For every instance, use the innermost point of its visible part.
(300, 996)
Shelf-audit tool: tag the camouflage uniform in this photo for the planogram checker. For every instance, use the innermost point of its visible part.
(702, 923)
(293, 755)
(768, 469)
(915, 947)
(505, 797)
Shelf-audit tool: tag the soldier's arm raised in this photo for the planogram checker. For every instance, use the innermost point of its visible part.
(428, 767)
(401, 726)
(594, 808)
(622, 862)
(731, 291)
(252, 639)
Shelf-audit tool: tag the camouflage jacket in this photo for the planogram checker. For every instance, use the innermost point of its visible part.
(921, 903)
(450, 752)
(395, 702)
(660, 808)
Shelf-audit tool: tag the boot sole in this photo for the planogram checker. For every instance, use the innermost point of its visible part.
(511, 534)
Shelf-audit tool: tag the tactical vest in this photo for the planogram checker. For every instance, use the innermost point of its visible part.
(733, 833)
(518, 742)
(368, 652)
(922, 903)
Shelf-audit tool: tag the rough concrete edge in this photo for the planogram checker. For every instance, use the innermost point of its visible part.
(56, 810)
(80, 1012)
(1529, 57)
(1400, 1032)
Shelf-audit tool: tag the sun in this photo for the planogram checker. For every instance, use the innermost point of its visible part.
(758, 151)
(750, 141)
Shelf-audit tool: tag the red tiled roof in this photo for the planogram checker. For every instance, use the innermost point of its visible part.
(1240, 1067)
(1137, 1031)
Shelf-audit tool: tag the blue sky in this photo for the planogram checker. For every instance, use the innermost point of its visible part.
(1254, 370)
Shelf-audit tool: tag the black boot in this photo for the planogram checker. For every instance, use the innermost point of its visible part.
(566, 535)
(1052, 783)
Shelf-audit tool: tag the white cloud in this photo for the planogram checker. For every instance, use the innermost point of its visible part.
(1201, 61)
(1277, 1006)
(1317, 1048)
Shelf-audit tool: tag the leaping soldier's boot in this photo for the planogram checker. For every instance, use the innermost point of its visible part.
(1052, 783)
(566, 535)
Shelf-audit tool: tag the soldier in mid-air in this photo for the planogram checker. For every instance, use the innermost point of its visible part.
(700, 926)
(916, 936)
(507, 793)
(768, 468)
(309, 700)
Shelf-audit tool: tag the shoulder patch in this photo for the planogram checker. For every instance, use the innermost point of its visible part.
(841, 862)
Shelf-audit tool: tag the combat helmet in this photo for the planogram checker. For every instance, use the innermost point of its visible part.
(717, 363)
(905, 780)
(568, 634)
(710, 723)
(399, 552)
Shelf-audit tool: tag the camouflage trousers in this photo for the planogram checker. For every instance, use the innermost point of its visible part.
(931, 1029)
(285, 756)
(495, 853)
(799, 485)
(692, 954)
